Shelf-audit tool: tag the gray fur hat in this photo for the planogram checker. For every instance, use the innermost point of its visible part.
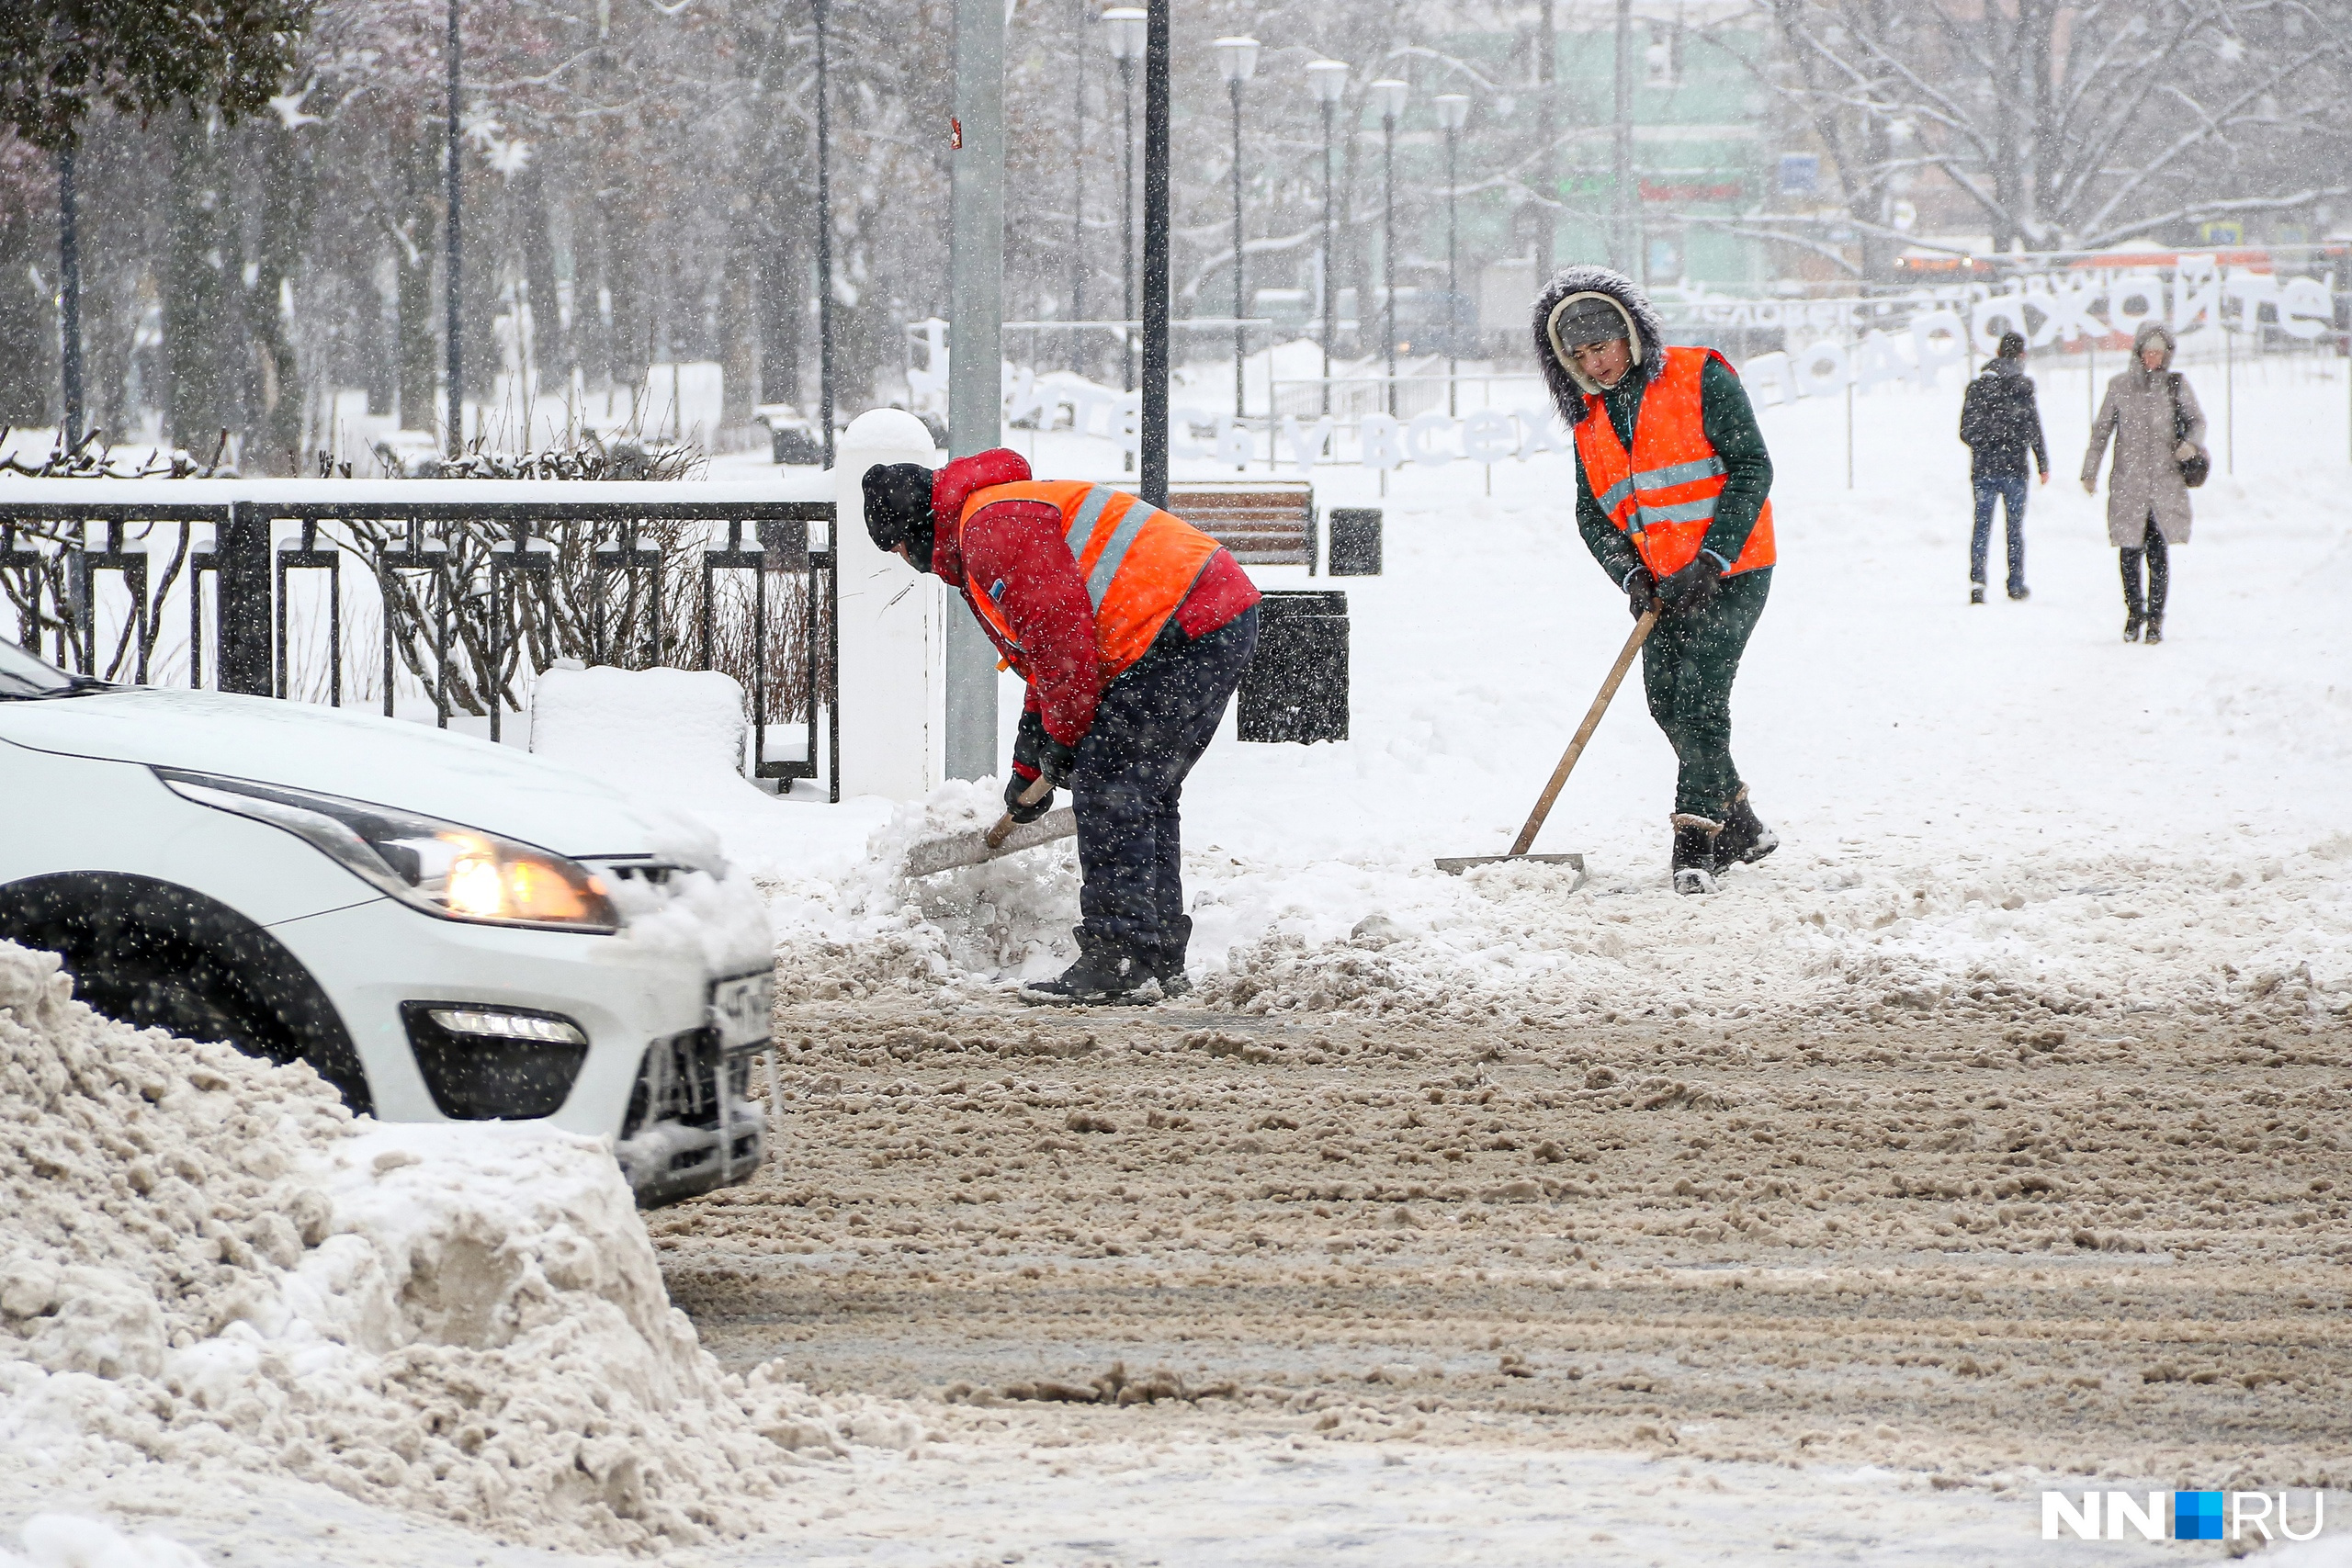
(1568, 313)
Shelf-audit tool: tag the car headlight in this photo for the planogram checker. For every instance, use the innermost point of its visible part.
(441, 868)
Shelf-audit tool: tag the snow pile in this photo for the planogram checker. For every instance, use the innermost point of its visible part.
(672, 736)
(64, 1540)
(863, 925)
(206, 1261)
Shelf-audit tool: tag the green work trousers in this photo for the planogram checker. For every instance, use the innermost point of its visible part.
(1688, 667)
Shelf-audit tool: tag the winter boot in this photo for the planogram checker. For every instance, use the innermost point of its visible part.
(1169, 973)
(2131, 628)
(1976, 593)
(1095, 980)
(1745, 839)
(1694, 853)
(2155, 632)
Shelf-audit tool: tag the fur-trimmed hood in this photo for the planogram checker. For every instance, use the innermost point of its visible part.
(1569, 388)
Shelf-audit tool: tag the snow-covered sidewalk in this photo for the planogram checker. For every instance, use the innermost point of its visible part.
(2003, 808)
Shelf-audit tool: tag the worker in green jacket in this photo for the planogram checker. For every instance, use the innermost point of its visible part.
(1672, 499)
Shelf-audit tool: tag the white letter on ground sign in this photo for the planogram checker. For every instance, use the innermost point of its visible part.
(2055, 1508)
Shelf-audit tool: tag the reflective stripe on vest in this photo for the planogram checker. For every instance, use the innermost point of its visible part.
(1138, 561)
(1667, 504)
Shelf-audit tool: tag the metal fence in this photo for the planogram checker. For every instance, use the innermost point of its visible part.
(436, 604)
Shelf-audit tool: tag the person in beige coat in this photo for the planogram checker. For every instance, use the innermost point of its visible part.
(2147, 503)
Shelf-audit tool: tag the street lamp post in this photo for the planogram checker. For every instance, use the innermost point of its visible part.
(1453, 113)
(1388, 98)
(824, 251)
(1238, 58)
(1328, 81)
(1077, 203)
(450, 284)
(1127, 27)
(69, 302)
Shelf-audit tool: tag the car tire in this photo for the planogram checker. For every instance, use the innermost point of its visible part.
(157, 956)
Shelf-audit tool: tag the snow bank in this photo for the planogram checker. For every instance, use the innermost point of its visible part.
(67, 1541)
(206, 1262)
(672, 736)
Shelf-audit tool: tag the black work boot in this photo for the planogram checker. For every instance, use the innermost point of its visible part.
(1694, 853)
(1095, 980)
(1169, 970)
(1745, 839)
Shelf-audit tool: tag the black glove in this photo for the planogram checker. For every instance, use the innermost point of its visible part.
(1035, 755)
(1641, 591)
(1014, 787)
(1691, 587)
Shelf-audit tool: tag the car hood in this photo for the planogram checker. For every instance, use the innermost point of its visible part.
(362, 757)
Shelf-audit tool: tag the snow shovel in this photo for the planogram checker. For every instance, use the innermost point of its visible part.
(977, 847)
(1457, 865)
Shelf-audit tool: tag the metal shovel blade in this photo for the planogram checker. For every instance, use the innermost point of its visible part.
(1455, 865)
(931, 856)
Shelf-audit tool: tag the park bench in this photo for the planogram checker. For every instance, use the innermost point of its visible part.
(1263, 522)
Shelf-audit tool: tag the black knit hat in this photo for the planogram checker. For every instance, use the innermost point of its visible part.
(897, 509)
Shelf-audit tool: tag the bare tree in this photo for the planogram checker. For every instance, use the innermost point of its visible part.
(2062, 125)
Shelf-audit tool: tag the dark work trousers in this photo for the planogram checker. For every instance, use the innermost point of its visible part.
(1688, 667)
(2151, 545)
(1152, 725)
(2009, 490)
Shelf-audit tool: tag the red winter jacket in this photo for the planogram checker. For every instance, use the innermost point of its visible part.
(1020, 544)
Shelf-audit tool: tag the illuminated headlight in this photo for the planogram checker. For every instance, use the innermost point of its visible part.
(498, 1025)
(441, 868)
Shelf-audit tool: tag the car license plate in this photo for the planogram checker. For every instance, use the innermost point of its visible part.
(739, 1009)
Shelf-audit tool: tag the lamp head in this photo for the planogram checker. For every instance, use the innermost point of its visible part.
(1128, 29)
(1238, 58)
(1453, 110)
(1328, 79)
(1387, 96)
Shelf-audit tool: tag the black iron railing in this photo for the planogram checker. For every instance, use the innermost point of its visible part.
(471, 598)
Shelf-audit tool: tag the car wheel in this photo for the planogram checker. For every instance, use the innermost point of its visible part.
(157, 956)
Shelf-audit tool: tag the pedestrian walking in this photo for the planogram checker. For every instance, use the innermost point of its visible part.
(1672, 487)
(2159, 432)
(1132, 628)
(2001, 424)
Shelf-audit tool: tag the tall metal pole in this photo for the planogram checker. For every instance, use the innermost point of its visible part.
(69, 300)
(1620, 238)
(1388, 247)
(454, 319)
(1127, 222)
(1452, 292)
(1240, 333)
(1547, 131)
(1154, 478)
(1077, 201)
(1330, 292)
(976, 347)
(824, 249)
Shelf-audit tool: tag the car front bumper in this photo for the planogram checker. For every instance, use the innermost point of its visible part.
(654, 1080)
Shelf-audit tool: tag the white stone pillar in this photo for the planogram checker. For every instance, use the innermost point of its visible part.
(892, 627)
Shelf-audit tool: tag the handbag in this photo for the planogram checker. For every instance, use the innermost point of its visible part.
(2194, 469)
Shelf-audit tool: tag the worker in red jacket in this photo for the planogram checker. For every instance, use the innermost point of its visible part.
(1132, 628)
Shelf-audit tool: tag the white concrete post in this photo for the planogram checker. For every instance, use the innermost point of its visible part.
(892, 625)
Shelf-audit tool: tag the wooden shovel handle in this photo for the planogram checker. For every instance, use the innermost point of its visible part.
(1583, 732)
(994, 838)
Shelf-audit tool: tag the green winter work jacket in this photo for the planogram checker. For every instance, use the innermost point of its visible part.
(1730, 421)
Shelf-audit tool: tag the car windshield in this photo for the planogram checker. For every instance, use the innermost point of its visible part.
(22, 675)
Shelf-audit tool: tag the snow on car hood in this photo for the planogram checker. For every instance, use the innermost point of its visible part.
(363, 756)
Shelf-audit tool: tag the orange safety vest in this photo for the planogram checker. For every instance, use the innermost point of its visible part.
(1138, 562)
(1664, 495)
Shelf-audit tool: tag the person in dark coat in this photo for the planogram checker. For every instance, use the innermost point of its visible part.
(2001, 424)
(1673, 498)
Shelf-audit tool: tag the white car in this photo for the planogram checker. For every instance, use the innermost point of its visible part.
(445, 929)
